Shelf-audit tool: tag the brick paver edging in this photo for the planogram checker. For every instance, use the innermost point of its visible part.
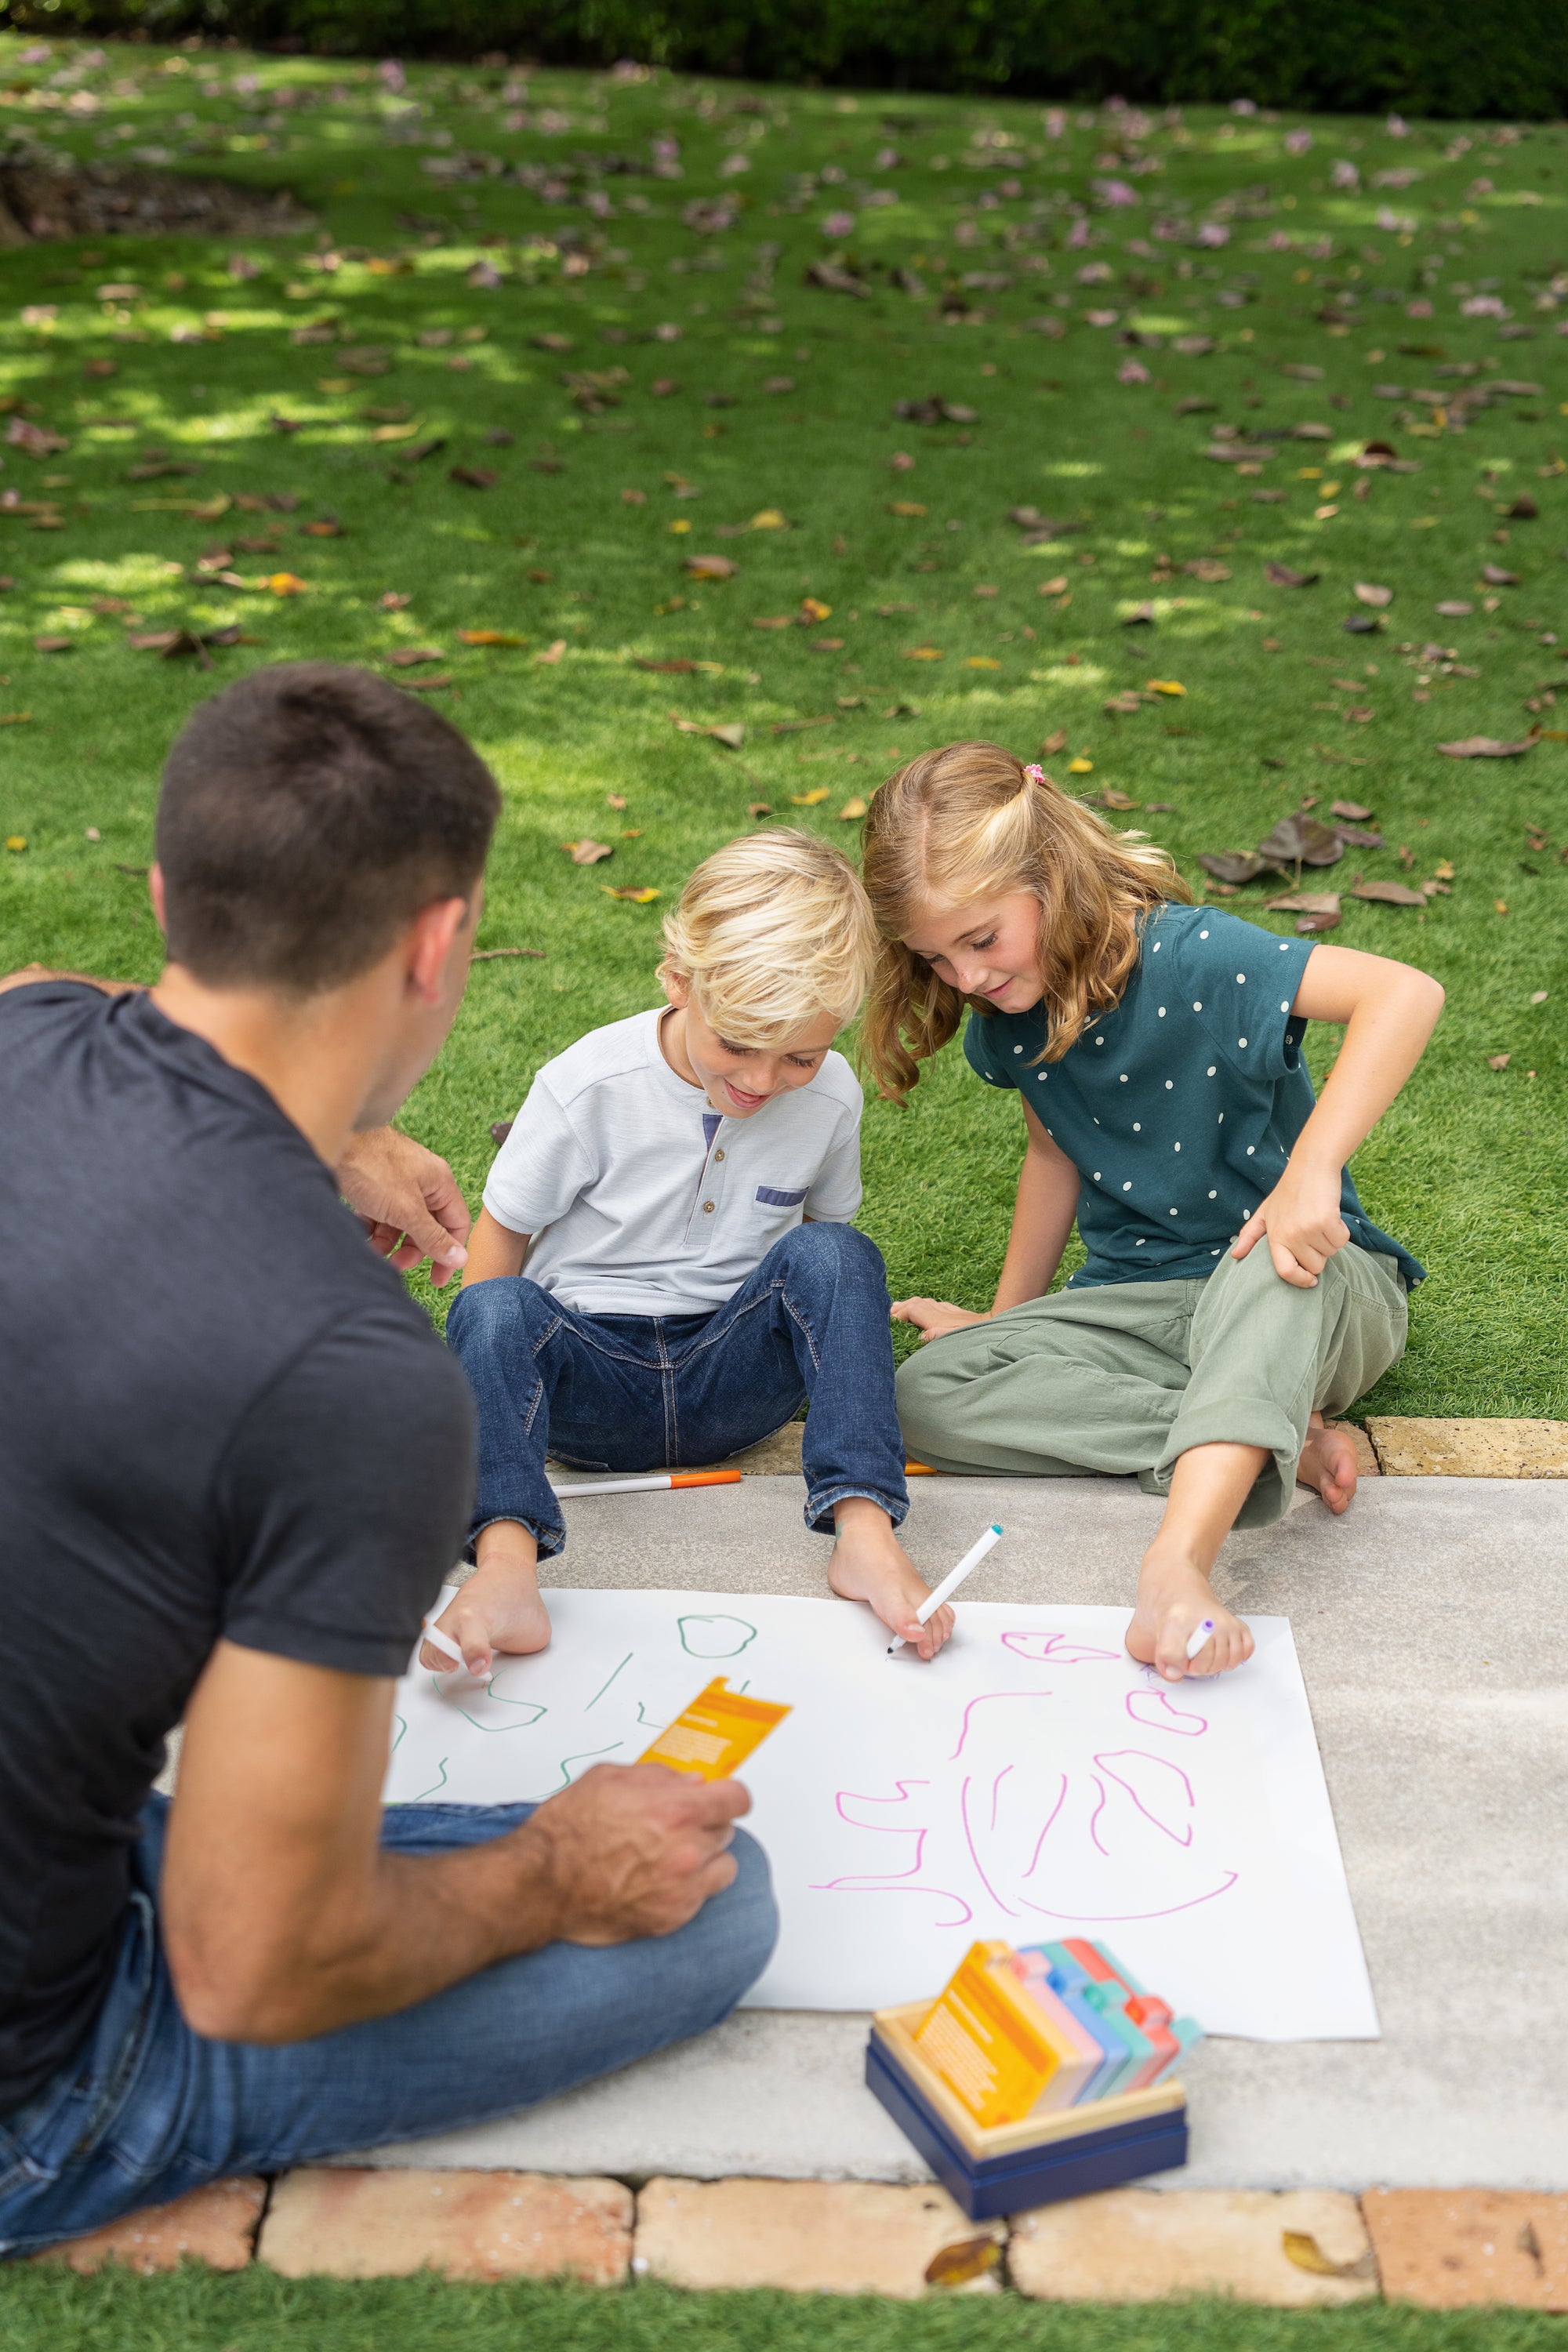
(1439, 2247)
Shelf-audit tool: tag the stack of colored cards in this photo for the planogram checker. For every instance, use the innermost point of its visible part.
(1038, 2073)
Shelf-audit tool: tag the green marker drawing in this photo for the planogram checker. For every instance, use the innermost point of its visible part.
(581, 1758)
(435, 1788)
(714, 1637)
(599, 1693)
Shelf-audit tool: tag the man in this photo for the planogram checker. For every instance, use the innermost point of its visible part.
(235, 1465)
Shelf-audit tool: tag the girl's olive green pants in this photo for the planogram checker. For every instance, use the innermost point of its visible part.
(1128, 1377)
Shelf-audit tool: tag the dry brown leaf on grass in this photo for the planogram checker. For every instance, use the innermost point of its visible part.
(54, 644)
(493, 955)
(1281, 575)
(1389, 893)
(474, 477)
(1486, 747)
(711, 567)
(812, 799)
(490, 637)
(588, 852)
(1367, 592)
(1317, 910)
(1056, 587)
(1054, 744)
(1351, 809)
(410, 656)
(852, 810)
(1498, 1061)
(551, 653)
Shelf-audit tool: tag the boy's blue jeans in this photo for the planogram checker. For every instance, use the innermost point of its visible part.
(654, 1392)
(147, 2109)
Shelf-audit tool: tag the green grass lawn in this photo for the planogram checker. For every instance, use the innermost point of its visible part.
(201, 2311)
(651, 377)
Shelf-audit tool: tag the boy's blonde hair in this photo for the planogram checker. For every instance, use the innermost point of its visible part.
(775, 934)
(973, 821)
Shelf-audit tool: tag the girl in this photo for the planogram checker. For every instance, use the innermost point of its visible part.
(1235, 1288)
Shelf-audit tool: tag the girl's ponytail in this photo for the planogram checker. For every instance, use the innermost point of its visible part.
(973, 821)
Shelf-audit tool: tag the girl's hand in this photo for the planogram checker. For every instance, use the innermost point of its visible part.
(934, 1316)
(1302, 1219)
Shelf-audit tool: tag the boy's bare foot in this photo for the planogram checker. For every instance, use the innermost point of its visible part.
(498, 1614)
(1173, 1598)
(870, 1564)
(1328, 1464)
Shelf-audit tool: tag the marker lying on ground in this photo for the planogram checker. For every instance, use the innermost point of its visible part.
(1199, 1638)
(443, 1642)
(952, 1581)
(656, 1482)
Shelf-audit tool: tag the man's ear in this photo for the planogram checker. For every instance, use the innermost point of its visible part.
(432, 937)
(155, 892)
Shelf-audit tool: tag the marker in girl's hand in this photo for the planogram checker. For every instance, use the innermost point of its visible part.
(1202, 1636)
(950, 1582)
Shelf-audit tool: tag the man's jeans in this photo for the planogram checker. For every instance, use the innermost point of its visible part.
(652, 1392)
(147, 2109)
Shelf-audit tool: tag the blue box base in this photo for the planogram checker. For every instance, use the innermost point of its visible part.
(1030, 2176)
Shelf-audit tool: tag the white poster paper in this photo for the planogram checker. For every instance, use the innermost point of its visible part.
(1031, 1783)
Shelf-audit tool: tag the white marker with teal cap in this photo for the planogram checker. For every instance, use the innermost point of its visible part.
(952, 1581)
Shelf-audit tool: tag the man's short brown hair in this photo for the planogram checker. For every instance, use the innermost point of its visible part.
(308, 812)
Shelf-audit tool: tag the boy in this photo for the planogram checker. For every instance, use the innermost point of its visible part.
(678, 1186)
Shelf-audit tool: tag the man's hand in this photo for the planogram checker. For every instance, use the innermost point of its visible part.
(633, 1850)
(407, 1200)
(1302, 1219)
(934, 1316)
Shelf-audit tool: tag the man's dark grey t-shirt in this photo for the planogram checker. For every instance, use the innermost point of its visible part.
(221, 1417)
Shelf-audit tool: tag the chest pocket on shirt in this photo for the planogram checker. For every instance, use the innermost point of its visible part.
(770, 1197)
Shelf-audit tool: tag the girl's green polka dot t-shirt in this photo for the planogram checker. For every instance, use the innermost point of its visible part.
(1181, 1106)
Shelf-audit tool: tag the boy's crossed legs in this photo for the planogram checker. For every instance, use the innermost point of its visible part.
(1211, 1392)
(651, 1392)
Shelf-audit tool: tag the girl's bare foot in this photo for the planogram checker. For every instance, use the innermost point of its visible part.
(1328, 1464)
(870, 1564)
(1173, 1598)
(498, 1613)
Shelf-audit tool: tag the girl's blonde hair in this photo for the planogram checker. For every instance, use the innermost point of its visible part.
(972, 822)
(775, 934)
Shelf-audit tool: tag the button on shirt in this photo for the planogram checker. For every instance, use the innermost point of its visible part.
(1181, 1106)
(642, 1199)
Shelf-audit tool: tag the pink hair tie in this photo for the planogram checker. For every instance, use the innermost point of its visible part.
(1035, 774)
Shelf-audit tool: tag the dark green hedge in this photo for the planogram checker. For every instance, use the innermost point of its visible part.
(1462, 58)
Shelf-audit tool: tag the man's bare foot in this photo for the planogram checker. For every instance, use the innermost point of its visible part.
(1328, 1464)
(497, 1613)
(1173, 1598)
(870, 1564)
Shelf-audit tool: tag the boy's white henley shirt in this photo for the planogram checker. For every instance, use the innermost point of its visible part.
(641, 1198)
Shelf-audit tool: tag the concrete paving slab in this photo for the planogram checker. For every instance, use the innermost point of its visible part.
(1428, 1621)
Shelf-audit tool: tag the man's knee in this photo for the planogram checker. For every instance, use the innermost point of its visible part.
(739, 1929)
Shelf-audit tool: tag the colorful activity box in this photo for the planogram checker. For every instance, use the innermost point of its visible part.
(1040, 2073)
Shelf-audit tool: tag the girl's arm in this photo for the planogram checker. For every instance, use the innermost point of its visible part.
(1390, 1010)
(1042, 1219)
(494, 1248)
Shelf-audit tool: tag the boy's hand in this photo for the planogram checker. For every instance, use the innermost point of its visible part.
(407, 1199)
(1302, 1219)
(934, 1316)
